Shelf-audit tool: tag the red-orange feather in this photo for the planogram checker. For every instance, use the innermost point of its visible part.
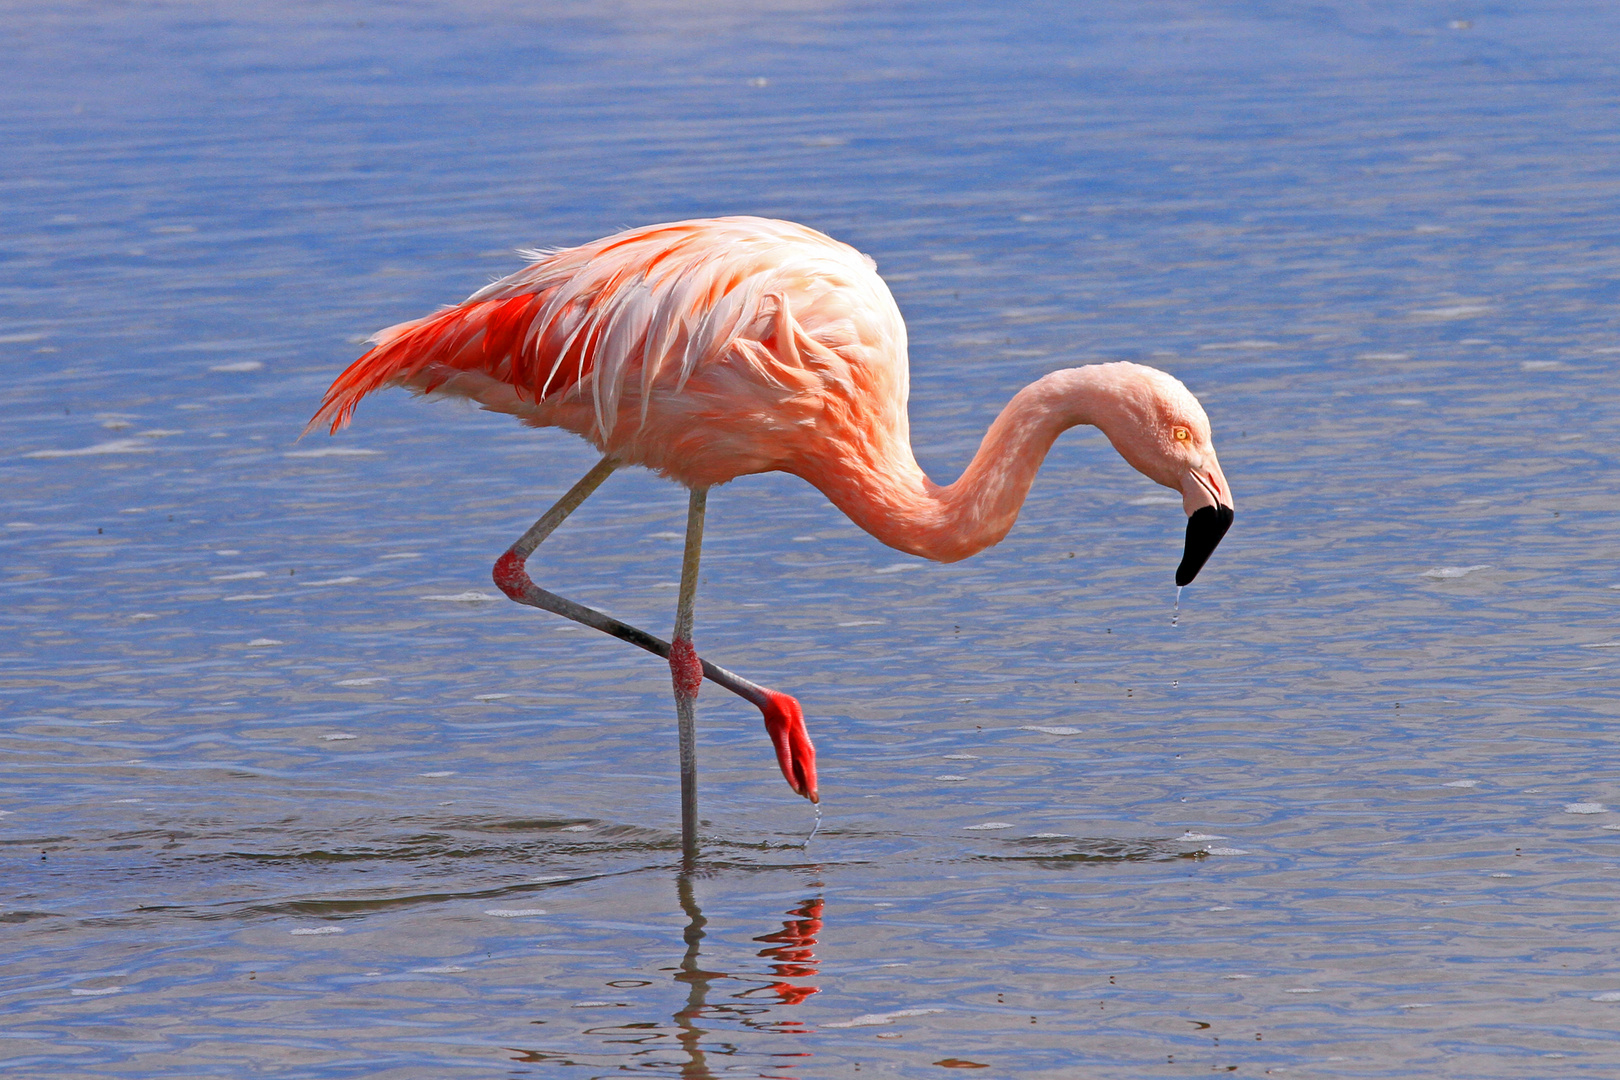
(634, 316)
(491, 336)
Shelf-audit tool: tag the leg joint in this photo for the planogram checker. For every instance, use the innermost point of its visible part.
(685, 668)
(510, 576)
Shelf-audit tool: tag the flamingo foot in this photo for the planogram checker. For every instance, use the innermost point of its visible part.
(784, 722)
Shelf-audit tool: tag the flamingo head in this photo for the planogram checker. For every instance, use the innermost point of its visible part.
(1162, 431)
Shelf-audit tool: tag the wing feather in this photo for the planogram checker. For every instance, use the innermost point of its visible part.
(597, 320)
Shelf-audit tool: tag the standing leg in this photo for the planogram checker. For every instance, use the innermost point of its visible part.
(784, 721)
(686, 671)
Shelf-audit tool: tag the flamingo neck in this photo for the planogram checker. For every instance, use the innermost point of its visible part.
(882, 489)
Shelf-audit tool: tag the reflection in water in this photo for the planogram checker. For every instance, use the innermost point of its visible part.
(697, 982)
(792, 952)
(792, 949)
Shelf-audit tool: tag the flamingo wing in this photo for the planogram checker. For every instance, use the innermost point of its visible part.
(620, 312)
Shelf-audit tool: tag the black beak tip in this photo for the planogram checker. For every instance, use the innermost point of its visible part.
(1204, 531)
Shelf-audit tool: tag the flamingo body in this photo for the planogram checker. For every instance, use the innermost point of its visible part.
(710, 349)
(704, 350)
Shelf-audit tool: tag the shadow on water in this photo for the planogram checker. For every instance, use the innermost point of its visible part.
(426, 861)
(1058, 852)
(348, 868)
(790, 952)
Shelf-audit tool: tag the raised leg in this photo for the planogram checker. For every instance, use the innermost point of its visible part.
(784, 720)
(686, 670)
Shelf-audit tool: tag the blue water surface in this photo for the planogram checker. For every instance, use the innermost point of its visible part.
(288, 790)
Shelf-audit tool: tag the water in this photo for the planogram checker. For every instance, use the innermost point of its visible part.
(288, 790)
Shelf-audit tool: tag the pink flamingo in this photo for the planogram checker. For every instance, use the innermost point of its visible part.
(706, 350)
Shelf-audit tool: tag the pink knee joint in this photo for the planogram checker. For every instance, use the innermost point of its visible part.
(685, 668)
(510, 576)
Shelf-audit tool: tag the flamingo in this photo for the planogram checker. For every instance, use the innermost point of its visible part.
(710, 349)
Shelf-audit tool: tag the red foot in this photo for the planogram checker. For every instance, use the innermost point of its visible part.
(685, 668)
(784, 722)
(510, 576)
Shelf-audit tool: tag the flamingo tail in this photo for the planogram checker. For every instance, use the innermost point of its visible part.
(491, 336)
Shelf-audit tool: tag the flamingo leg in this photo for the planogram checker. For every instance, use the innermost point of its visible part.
(686, 670)
(784, 720)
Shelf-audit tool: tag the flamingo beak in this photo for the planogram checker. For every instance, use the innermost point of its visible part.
(1208, 502)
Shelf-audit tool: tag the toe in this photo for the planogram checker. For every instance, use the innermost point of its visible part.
(795, 754)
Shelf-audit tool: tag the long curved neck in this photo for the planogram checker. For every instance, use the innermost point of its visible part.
(884, 491)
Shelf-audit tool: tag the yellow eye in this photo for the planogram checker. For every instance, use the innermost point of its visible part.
(1182, 434)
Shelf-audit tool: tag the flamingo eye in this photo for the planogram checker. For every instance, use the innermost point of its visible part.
(1181, 434)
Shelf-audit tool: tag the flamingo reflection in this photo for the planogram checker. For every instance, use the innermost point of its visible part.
(793, 950)
(792, 947)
